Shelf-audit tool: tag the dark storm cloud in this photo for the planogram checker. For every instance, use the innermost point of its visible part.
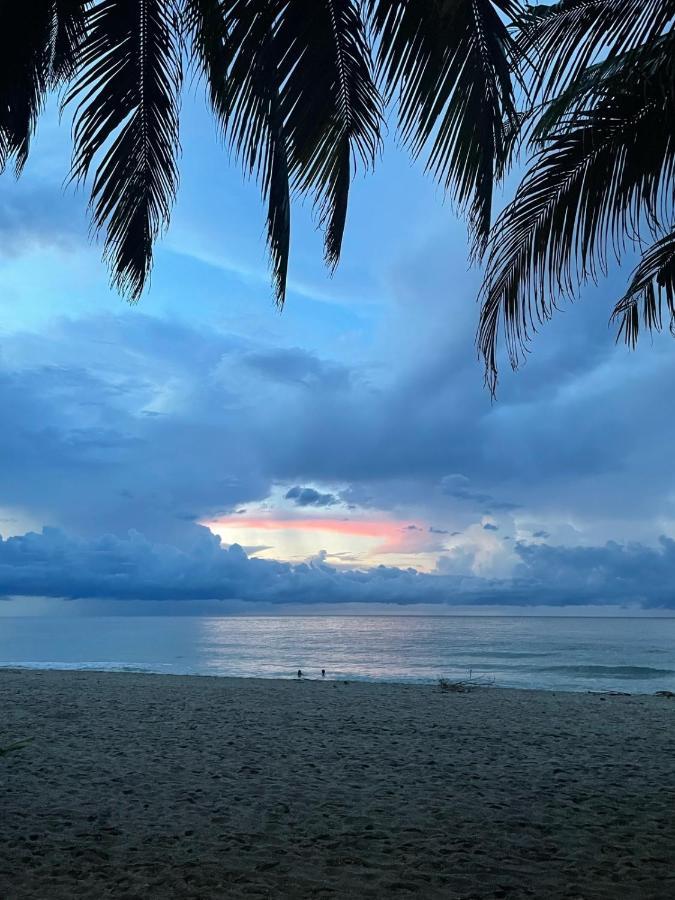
(458, 486)
(309, 497)
(132, 568)
(299, 367)
(611, 573)
(79, 450)
(52, 564)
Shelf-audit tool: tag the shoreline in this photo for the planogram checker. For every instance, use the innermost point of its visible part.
(350, 679)
(178, 787)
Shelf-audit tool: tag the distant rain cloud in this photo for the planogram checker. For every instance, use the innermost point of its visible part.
(306, 496)
(132, 568)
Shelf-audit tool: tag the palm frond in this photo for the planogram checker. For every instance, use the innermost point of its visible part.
(331, 106)
(205, 23)
(237, 52)
(38, 44)
(451, 63)
(652, 284)
(557, 42)
(127, 98)
(68, 32)
(597, 184)
(653, 64)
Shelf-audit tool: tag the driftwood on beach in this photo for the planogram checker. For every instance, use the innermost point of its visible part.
(463, 686)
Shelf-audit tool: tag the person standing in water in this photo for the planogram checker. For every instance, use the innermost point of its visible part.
(299, 673)
(323, 673)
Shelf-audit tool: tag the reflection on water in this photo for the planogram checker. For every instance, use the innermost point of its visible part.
(564, 653)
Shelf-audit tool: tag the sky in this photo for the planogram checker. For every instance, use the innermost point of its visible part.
(201, 451)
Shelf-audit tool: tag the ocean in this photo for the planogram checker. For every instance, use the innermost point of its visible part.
(572, 654)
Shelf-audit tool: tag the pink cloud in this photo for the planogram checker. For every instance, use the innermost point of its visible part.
(396, 536)
(358, 527)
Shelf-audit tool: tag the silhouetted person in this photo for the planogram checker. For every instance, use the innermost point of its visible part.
(323, 673)
(299, 673)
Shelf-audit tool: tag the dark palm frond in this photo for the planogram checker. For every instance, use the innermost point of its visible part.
(331, 106)
(653, 65)
(127, 98)
(68, 33)
(205, 24)
(595, 185)
(237, 52)
(652, 283)
(38, 44)
(451, 64)
(557, 42)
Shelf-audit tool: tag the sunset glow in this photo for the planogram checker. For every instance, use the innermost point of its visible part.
(361, 527)
(364, 542)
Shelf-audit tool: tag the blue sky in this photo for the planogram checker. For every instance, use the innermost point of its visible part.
(346, 447)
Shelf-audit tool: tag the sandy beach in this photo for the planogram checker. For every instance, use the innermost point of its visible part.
(143, 786)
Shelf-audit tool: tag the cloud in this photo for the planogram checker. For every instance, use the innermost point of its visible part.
(458, 486)
(541, 534)
(130, 420)
(80, 450)
(298, 367)
(253, 549)
(54, 564)
(306, 496)
(614, 573)
(490, 527)
(132, 568)
(39, 216)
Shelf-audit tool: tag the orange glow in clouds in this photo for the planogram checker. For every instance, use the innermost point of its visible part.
(361, 541)
(364, 528)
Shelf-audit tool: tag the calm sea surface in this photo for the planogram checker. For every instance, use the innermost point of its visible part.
(553, 653)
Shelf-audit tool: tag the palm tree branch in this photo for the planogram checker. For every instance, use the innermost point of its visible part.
(126, 95)
(451, 63)
(205, 22)
(654, 63)
(38, 46)
(331, 106)
(558, 42)
(652, 284)
(238, 54)
(591, 188)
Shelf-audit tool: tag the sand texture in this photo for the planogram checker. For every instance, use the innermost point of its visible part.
(142, 786)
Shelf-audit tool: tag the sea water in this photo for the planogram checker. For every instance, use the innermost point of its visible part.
(625, 654)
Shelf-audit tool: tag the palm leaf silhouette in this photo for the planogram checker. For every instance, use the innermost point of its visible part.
(652, 284)
(583, 89)
(331, 105)
(560, 41)
(237, 51)
(449, 62)
(600, 183)
(126, 92)
(39, 43)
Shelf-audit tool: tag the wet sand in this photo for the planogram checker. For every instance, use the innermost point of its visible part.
(143, 786)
